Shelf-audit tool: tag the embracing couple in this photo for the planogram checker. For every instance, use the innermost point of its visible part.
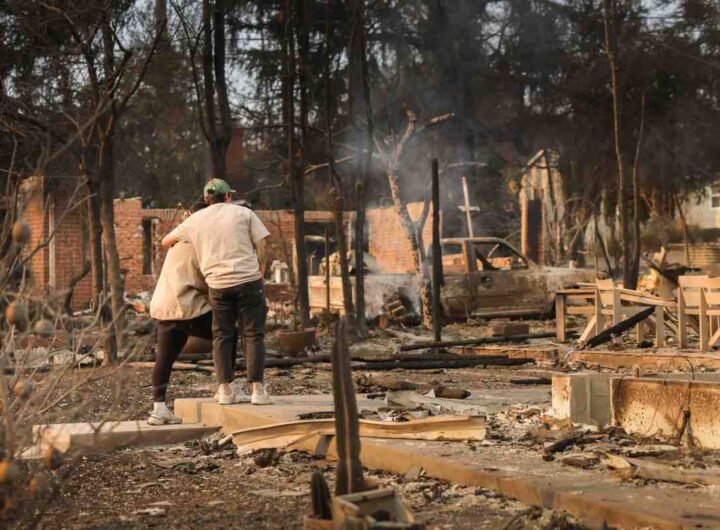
(210, 287)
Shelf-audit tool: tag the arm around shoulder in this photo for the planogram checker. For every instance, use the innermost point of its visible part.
(169, 240)
(176, 235)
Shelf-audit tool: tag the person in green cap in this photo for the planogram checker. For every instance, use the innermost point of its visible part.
(229, 242)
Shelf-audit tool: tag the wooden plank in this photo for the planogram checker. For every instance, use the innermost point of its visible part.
(659, 327)
(589, 330)
(703, 323)
(616, 307)
(449, 428)
(645, 299)
(580, 293)
(580, 310)
(692, 281)
(682, 321)
(560, 317)
(599, 319)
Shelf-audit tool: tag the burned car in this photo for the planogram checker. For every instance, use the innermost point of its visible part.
(488, 277)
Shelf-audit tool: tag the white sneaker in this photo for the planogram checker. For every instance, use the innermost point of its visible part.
(163, 418)
(260, 397)
(235, 396)
(238, 389)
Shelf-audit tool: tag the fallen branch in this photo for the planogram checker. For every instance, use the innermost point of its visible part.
(423, 364)
(532, 381)
(636, 468)
(480, 340)
(617, 329)
(564, 443)
(176, 366)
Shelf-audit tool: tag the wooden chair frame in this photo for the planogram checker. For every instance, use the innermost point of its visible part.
(609, 300)
(699, 296)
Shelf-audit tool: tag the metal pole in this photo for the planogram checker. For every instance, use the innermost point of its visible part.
(437, 272)
(466, 194)
(327, 271)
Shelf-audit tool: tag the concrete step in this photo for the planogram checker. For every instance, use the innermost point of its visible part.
(230, 418)
(84, 438)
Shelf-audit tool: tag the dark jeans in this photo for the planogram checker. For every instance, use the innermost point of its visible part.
(242, 305)
(172, 337)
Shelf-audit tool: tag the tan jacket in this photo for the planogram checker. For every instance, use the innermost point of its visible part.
(181, 291)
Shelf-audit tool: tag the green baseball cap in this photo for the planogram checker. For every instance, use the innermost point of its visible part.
(217, 187)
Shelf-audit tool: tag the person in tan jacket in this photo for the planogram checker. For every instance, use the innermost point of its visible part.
(181, 307)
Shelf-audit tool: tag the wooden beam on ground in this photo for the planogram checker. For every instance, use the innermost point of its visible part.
(480, 340)
(448, 428)
(432, 364)
(617, 329)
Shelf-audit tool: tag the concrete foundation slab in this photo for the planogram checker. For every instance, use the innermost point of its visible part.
(664, 407)
(93, 437)
(288, 408)
(596, 498)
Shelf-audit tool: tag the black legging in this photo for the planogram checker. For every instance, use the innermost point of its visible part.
(172, 337)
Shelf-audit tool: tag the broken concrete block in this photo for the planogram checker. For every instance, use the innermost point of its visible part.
(582, 398)
(94, 437)
(507, 329)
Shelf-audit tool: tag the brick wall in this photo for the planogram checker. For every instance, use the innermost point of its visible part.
(388, 243)
(33, 213)
(56, 207)
(129, 217)
(69, 247)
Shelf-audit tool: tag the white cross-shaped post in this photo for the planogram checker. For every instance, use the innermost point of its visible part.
(467, 208)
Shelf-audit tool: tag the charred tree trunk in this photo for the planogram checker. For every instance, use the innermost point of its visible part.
(224, 132)
(359, 98)
(114, 278)
(218, 129)
(636, 250)
(95, 237)
(98, 300)
(629, 275)
(106, 172)
(294, 177)
(296, 154)
(415, 239)
(391, 156)
(334, 178)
